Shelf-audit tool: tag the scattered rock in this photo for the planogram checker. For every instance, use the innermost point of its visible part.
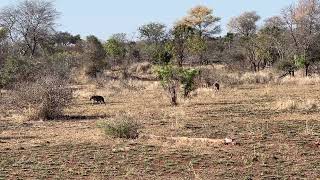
(230, 141)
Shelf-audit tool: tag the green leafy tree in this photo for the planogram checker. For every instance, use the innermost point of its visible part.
(163, 55)
(197, 45)
(287, 66)
(169, 78)
(116, 48)
(153, 36)
(172, 77)
(65, 38)
(153, 32)
(181, 35)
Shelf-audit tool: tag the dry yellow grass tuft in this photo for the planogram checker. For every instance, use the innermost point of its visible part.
(291, 105)
(262, 77)
(301, 80)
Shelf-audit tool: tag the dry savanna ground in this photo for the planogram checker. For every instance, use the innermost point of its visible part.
(276, 129)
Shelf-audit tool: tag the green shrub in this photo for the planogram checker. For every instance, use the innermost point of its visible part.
(123, 128)
(172, 76)
(15, 69)
(169, 78)
(188, 80)
(287, 66)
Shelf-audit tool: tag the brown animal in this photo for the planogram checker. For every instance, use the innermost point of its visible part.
(217, 86)
(97, 99)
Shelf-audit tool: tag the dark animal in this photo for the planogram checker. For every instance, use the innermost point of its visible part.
(97, 99)
(217, 86)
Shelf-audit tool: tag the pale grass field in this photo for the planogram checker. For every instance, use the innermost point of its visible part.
(276, 127)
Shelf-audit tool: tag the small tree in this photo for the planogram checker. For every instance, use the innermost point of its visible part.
(116, 47)
(172, 77)
(96, 54)
(169, 77)
(181, 34)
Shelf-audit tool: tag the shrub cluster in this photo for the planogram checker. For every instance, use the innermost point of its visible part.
(121, 128)
(45, 98)
(40, 86)
(172, 76)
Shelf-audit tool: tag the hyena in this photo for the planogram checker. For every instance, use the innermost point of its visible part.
(97, 99)
(217, 86)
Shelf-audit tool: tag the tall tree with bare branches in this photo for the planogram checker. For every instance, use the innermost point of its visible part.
(303, 23)
(30, 23)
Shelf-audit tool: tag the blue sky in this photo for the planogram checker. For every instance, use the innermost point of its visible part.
(106, 17)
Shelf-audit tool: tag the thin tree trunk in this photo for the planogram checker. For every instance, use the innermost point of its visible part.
(173, 94)
(307, 70)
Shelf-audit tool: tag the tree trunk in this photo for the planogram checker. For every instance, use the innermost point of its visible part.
(173, 94)
(180, 61)
(254, 67)
(307, 70)
(291, 73)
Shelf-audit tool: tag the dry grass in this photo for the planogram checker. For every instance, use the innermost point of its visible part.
(182, 142)
(292, 105)
(263, 77)
(301, 80)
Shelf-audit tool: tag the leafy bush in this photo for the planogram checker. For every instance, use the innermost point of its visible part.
(188, 80)
(45, 91)
(172, 76)
(123, 128)
(15, 69)
(95, 53)
(286, 66)
(169, 77)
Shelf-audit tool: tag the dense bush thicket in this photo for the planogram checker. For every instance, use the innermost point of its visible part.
(45, 90)
(45, 98)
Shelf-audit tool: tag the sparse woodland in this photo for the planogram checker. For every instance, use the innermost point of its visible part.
(185, 102)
